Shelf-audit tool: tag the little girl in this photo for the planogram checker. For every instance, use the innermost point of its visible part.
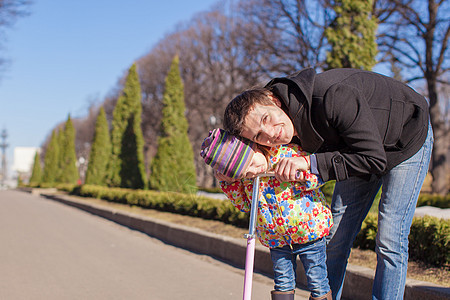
(293, 218)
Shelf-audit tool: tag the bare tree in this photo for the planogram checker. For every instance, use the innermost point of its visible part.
(10, 11)
(289, 34)
(214, 68)
(415, 33)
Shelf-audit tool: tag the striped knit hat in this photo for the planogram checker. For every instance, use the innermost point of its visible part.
(230, 155)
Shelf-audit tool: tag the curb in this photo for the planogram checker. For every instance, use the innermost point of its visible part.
(358, 280)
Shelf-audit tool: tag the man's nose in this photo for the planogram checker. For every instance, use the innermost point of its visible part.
(267, 133)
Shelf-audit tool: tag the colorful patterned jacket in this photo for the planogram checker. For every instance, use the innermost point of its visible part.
(288, 212)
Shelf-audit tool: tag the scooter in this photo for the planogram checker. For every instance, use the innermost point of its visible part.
(251, 235)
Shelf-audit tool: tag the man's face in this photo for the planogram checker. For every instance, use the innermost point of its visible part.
(268, 125)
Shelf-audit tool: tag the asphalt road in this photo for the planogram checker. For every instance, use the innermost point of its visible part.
(52, 251)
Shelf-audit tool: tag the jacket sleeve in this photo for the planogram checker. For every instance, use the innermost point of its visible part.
(362, 152)
(236, 194)
(312, 181)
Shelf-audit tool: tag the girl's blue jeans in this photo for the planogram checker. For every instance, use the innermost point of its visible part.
(313, 258)
(351, 202)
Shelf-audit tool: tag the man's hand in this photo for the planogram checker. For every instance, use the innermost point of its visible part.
(292, 168)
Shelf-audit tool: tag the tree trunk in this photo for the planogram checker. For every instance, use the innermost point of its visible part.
(439, 165)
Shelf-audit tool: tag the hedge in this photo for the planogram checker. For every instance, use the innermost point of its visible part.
(429, 241)
(429, 238)
(434, 200)
(424, 199)
(185, 204)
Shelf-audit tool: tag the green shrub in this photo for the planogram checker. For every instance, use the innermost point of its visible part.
(366, 238)
(327, 190)
(434, 200)
(229, 214)
(186, 204)
(67, 187)
(213, 190)
(429, 241)
(207, 208)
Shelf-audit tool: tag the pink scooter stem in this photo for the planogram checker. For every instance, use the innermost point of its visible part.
(249, 263)
(250, 253)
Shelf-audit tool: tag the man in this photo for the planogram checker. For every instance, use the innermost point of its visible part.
(366, 131)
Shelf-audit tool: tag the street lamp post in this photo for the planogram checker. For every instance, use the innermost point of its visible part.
(3, 146)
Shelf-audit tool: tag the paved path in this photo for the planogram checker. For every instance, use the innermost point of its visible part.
(52, 251)
(432, 211)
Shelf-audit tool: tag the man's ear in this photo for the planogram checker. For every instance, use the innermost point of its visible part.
(275, 100)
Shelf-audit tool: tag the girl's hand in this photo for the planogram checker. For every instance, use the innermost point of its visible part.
(292, 168)
(222, 177)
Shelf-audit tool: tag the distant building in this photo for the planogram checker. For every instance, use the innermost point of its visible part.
(24, 160)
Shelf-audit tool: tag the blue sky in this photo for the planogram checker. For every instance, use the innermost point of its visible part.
(67, 54)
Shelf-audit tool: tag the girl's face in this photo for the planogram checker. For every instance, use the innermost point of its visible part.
(258, 165)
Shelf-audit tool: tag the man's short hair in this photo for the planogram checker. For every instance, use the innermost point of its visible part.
(238, 108)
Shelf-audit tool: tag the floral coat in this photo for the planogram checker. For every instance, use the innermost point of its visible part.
(288, 212)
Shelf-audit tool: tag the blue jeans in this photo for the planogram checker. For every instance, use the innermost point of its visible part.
(351, 202)
(313, 258)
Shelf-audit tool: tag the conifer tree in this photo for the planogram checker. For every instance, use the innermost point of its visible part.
(36, 174)
(59, 159)
(352, 35)
(173, 166)
(51, 163)
(127, 120)
(100, 152)
(68, 162)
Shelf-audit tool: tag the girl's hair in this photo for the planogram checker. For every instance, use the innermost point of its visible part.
(238, 109)
(265, 151)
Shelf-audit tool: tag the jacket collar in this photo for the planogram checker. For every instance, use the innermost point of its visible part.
(296, 93)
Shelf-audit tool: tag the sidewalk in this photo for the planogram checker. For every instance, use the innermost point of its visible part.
(437, 212)
(358, 281)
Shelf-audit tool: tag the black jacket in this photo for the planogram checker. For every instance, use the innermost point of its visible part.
(357, 122)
